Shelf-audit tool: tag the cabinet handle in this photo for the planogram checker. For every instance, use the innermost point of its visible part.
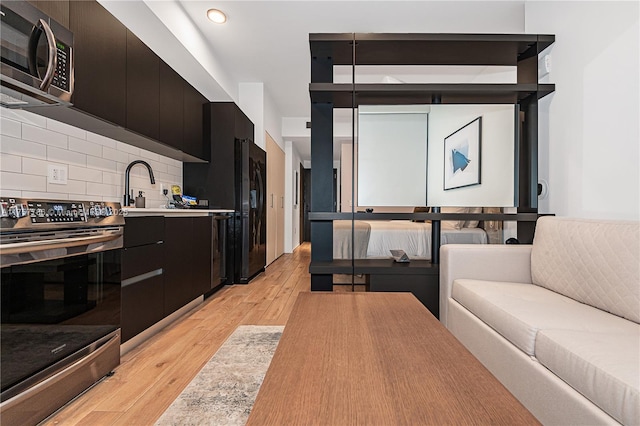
(271, 200)
(282, 202)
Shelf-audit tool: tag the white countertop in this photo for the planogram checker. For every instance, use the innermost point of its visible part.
(132, 212)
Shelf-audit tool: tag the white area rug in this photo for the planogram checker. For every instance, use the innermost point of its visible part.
(224, 391)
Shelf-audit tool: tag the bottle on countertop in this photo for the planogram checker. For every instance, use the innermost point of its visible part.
(140, 201)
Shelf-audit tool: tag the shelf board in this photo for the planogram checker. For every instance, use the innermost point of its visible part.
(428, 49)
(341, 94)
(331, 216)
(374, 266)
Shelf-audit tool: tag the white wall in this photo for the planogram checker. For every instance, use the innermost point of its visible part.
(497, 159)
(589, 148)
(95, 164)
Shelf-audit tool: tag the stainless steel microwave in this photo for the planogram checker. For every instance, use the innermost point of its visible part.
(37, 58)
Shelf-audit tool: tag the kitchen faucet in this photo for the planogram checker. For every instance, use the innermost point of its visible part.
(127, 198)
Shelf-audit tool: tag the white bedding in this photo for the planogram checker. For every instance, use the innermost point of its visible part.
(415, 238)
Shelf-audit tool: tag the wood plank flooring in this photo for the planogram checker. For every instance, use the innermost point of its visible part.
(153, 374)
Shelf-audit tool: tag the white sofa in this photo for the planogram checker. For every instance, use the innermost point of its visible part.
(557, 322)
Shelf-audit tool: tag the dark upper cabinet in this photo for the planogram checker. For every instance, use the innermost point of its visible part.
(215, 181)
(58, 10)
(192, 135)
(100, 44)
(171, 106)
(120, 80)
(143, 88)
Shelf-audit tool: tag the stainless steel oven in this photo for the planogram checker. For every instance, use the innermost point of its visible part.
(60, 291)
(37, 58)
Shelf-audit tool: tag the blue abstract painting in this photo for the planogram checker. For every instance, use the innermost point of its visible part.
(459, 158)
(462, 156)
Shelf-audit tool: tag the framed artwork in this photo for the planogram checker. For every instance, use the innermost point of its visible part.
(462, 156)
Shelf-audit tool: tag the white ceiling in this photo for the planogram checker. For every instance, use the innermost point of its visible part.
(268, 41)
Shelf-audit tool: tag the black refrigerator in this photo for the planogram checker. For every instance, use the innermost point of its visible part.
(250, 224)
(234, 179)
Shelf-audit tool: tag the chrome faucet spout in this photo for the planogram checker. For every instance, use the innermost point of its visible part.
(127, 198)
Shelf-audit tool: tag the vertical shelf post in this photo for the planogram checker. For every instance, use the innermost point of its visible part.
(321, 167)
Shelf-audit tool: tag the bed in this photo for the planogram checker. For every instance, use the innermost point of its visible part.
(375, 239)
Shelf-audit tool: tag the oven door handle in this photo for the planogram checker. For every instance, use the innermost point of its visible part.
(31, 246)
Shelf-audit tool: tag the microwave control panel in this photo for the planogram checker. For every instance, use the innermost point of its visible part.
(62, 76)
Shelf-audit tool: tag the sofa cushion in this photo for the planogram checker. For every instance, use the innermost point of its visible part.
(517, 311)
(592, 261)
(604, 367)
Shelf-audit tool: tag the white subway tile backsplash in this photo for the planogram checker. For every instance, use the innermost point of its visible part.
(45, 195)
(20, 181)
(101, 164)
(75, 187)
(86, 174)
(10, 127)
(101, 140)
(66, 156)
(33, 166)
(10, 192)
(175, 171)
(85, 147)
(101, 189)
(66, 129)
(40, 135)
(148, 155)
(113, 178)
(114, 154)
(24, 116)
(10, 163)
(157, 166)
(9, 145)
(121, 146)
(96, 164)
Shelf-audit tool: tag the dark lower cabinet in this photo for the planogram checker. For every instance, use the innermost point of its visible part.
(187, 260)
(166, 263)
(142, 289)
(142, 275)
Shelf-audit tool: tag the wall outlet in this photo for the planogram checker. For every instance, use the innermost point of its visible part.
(57, 174)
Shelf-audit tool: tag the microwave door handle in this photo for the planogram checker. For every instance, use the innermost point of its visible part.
(52, 62)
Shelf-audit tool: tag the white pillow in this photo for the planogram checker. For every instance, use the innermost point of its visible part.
(472, 223)
(453, 224)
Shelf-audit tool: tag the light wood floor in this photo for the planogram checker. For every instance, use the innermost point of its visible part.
(153, 374)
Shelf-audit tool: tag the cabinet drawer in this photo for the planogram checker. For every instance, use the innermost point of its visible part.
(139, 231)
(142, 306)
(141, 260)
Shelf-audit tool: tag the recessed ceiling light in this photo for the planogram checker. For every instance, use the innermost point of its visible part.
(216, 16)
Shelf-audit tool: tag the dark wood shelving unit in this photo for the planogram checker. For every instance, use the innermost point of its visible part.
(353, 49)
(331, 216)
(341, 95)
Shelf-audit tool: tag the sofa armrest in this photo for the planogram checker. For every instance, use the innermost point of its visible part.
(491, 262)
